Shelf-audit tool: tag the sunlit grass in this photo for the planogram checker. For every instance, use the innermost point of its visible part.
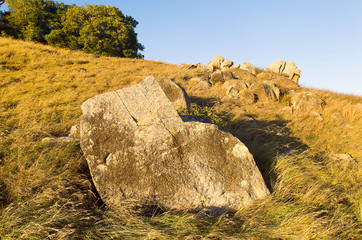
(46, 191)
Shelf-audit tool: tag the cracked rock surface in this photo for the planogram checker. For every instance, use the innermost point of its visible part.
(138, 148)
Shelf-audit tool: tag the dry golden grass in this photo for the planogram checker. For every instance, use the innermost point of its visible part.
(46, 190)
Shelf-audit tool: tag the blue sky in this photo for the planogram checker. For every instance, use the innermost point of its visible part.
(323, 37)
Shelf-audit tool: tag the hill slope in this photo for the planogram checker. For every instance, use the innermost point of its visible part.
(46, 190)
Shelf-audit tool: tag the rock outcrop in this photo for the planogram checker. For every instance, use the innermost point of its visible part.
(277, 66)
(292, 72)
(138, 148)
(215, 63)
(306, 101)
(289, 69)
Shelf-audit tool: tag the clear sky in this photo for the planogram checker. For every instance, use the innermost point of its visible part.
(323, 37)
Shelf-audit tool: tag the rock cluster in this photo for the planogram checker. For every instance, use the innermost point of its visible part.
(138, 148)
(243, 83)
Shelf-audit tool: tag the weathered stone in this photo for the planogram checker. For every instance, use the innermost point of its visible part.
(265, 91)
(215, 63)
(306, 101)
(221, 76)
(226, 64)
(248, 67)
(74, 131)
(216, 77)
(175, 93)
(235, 66)
(344, 159)
(242, 74)
(234, 87)
(227, 75)
(198, 84)
(138, 148)
(292, 72)
(192, 66)
(277, 66)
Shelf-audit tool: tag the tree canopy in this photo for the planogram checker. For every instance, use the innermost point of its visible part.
(97, 29)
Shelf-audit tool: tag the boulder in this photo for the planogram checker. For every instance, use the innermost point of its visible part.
(226, 64)
(221, 76)
(139, 149)
(306, 101)
(215, 63)
(216, 77)
(277, 66)
(344, 159)
(198, 84)
(74, 131)
(248, 67)
(175, 93)
(234, 87)
(242, 74)
(265, 91)
(289, 69)
(292, 72)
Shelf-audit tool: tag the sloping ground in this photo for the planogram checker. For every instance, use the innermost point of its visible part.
(46, 190)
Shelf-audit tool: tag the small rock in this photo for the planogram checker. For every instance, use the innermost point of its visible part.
(74, 131)
(215, 63)
(344, 158)
(226, 64)
(277, 66)
(216, 77)
(82, 70)
(265, 91)
(292, 72)
(234, 87)
(306, 101)
(248, 67)
(198, 84)
(242, 74)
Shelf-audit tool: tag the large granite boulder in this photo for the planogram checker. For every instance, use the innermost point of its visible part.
(138, 148)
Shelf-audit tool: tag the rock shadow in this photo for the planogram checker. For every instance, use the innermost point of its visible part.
(266, 140)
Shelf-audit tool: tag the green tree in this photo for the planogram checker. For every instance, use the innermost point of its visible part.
(32, 20)
(97, 29)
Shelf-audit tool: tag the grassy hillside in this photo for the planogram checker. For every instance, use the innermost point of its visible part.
(46, 190)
